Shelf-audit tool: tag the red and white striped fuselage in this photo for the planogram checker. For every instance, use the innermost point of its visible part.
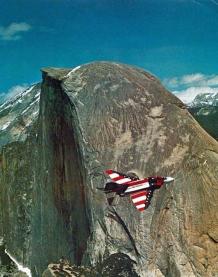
(140, 191)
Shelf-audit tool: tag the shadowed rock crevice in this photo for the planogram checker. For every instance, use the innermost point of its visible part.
(119, 219)
(61, 202)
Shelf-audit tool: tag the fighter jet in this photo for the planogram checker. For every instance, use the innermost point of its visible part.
(140, 191)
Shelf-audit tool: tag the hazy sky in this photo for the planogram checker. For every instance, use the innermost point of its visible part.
(177, 40)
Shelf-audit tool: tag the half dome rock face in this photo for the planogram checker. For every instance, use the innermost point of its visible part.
(108, 115)
(120, 117)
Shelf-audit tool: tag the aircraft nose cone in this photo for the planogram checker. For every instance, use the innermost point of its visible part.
(168, 179)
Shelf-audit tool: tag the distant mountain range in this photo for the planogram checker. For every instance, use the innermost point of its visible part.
(205, 99)
(204, 108)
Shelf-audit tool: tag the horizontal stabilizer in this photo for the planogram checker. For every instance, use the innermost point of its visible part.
(118, 177)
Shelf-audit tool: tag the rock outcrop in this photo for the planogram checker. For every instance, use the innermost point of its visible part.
(117, 264)
(108, 115)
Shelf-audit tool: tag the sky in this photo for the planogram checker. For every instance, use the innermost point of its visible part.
(176, 40)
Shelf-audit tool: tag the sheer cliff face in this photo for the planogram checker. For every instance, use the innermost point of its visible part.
(60, 221)
(18, 120)
(107, 115)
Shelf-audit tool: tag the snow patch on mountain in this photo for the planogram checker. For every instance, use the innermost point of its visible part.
(19, 266)
(73, 70)
(5, 126)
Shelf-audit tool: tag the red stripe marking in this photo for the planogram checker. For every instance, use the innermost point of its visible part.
(109, 171)
(138, 182)
(141, 209)
(139, 203)
(135, 195)
(118, 178)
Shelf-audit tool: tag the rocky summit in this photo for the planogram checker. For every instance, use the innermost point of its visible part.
(108, 116)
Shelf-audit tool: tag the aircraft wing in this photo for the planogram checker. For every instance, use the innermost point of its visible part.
(142, 199)
(118, 177)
